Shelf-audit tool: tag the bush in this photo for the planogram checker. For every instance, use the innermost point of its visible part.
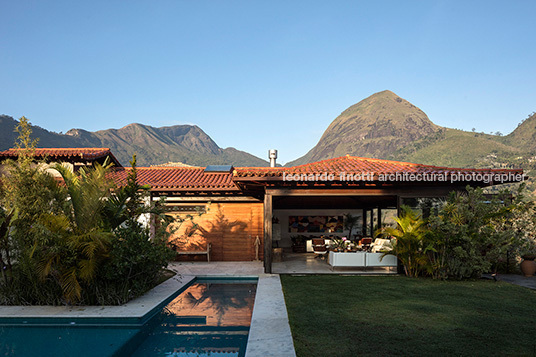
(80, 243)
(467, 236)
(473, 234)
(409, 242)
(134, 266)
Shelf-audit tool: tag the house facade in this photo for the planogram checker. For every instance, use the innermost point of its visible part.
(244, 212)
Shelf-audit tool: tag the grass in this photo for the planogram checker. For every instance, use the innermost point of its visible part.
(385, 316)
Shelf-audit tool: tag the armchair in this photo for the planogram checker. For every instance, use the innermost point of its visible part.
(380, 244)
(319, 248)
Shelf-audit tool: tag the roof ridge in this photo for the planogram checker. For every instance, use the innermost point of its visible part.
(168, 167)
(69, 148)
(321, 161)
(370, 159)
(384, 160)
(260, 167)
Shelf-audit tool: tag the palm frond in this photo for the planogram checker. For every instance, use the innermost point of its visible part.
(70, 286)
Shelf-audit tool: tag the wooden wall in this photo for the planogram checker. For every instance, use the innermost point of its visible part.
(230, 227)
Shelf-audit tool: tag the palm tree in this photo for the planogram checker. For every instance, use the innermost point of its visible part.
(73, 243)
(409, 242)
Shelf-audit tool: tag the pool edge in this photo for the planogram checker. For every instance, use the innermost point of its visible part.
(135, 311)
(269, 332)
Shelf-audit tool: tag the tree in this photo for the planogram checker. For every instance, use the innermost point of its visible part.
(79, 242)
(26, 192)
(5, 252)
(127, 202)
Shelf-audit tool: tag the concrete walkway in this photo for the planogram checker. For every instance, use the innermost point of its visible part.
(527, 282)
(269, 333)
(218, 268)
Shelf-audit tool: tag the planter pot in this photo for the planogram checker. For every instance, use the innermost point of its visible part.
(528, 267)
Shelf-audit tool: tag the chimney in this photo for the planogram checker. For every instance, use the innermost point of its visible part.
(272, 154)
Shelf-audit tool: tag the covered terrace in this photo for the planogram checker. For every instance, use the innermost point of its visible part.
(314, 200)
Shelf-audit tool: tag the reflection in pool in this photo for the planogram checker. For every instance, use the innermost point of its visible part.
(209, 317)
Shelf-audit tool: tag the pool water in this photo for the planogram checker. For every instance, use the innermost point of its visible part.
(210, 317)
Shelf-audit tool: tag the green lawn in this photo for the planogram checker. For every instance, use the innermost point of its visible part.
(382, 316)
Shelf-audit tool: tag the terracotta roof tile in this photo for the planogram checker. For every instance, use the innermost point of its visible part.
(356, 165)
(179, 178)
(88, 154)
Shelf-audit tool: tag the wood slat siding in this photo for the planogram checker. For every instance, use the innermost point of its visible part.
(230, 227)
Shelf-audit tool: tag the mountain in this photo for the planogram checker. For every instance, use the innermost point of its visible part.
(386, 126)
(375, 127)
(153, 146)
(46, 138)
(382, 126)
(524, 136)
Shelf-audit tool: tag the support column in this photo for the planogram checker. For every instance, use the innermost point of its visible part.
(371, 222)
(364, 229)
(399, 266)
(268, 233)
(379, 219)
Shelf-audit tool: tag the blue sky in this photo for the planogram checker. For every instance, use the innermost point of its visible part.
(257, 75)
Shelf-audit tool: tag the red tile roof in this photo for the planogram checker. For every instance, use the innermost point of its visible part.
(195, 178)
(179, 178)
(85, 154)
(356, 165)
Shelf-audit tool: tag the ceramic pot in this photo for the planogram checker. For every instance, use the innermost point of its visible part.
(528, 266)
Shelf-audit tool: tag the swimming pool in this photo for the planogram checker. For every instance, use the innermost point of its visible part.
(211, 316)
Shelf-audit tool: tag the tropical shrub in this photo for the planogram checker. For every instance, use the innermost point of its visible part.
(70, 246)
(473, 234)
(468, 235)
(77, 243)
(134, 266)
(136, 258)
(25, 193)
(409, 242)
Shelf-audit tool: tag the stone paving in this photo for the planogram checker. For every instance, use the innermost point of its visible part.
(527, 282)
(218, 268)
(307, 263)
